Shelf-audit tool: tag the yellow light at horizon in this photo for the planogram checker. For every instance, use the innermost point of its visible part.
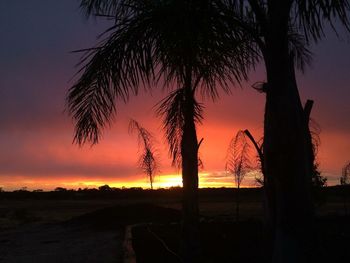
(206, 179)
(168, 180)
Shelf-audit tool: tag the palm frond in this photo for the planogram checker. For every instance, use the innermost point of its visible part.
(173, 109)
(92, 7)
(114, 69)
(315, 131)
(149, 165)
(298, 49)
(308, 20)
(202, 37)
(153, 42)
(238, 161)
(144, 137)
(147, 161)
(311, 16)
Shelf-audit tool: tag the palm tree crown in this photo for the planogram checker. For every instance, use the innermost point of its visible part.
(187, 45)
(306, 22)
(150, 43)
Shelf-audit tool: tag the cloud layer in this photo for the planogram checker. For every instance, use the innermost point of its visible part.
(36, 133)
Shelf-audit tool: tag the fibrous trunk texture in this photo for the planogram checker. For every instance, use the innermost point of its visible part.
(287, 164)
(190, 210)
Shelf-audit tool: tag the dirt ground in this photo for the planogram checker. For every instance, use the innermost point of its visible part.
(60, 243)
(239, 242)
(82, 230)
(71, 231)
(39, 231)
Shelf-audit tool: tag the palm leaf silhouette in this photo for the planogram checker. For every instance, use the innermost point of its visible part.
(147, 160)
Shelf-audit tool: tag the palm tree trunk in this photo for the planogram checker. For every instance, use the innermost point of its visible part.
(189, 153)
(345, 198)
(237, 204)
(286, 153)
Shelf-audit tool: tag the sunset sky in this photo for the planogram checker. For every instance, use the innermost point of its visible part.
(36, 133)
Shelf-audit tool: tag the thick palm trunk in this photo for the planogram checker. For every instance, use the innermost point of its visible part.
(289, 175)
(286, 153)
(190, 210)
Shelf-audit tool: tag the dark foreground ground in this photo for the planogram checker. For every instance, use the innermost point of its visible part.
(228, 242)
(91, 237)
(89, 227)
(57, 243)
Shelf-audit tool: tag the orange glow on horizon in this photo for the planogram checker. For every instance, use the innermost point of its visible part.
(206, 180)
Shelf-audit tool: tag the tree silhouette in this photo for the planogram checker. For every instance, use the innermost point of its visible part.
(238, 162)
(105, 188)
(313, 134)
(186, 44)
(147, 161)
(345, 176)
(258, 146)
(283, 31)
(314, 130)
(60, 189)
(345, 183)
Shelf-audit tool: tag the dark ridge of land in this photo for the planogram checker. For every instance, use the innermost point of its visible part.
(129, 193)
(333, 192)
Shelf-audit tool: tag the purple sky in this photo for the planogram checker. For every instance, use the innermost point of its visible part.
(37, 68)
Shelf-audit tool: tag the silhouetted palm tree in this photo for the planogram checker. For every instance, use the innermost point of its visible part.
(183, 43)
(283, 30)
(238, 162)
(147, 160)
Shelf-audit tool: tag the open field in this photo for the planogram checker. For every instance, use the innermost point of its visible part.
(34, 231)
(89, 227)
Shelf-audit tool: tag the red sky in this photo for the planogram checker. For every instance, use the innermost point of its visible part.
(36, 69)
